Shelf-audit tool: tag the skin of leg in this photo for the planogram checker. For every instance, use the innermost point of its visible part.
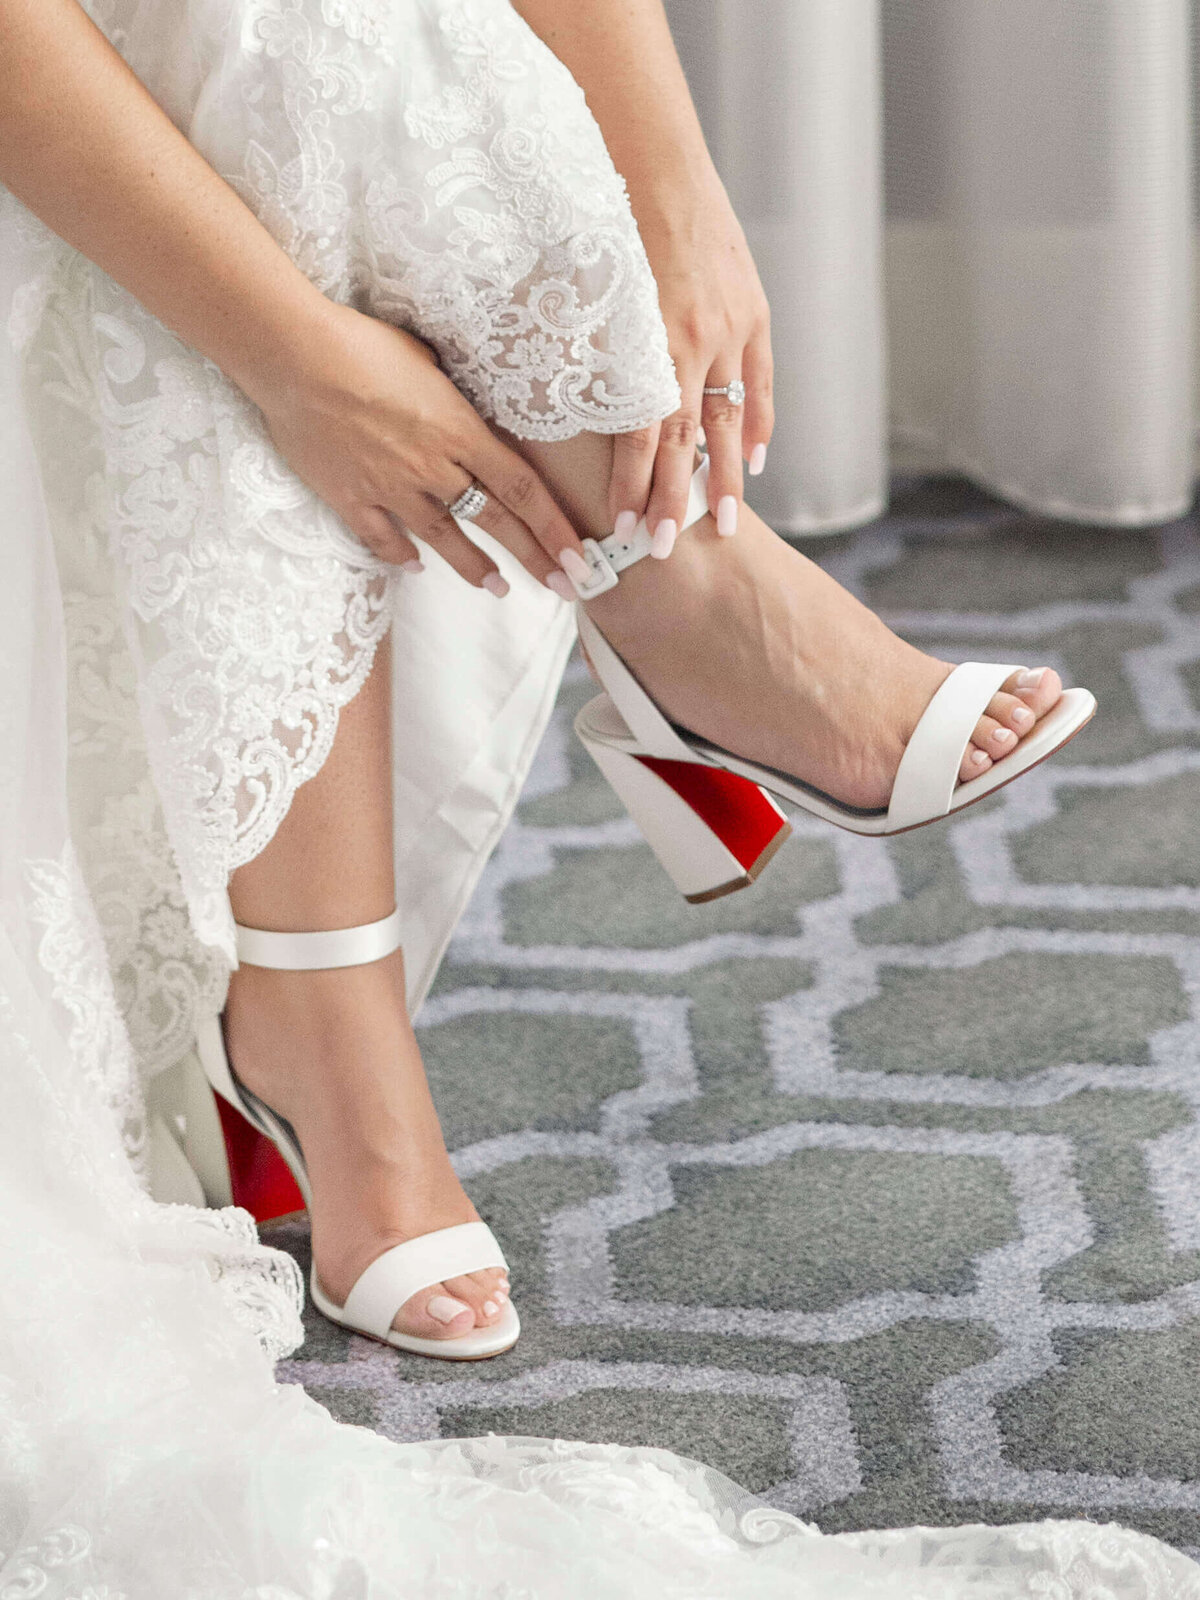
(334, 1051)
(748, 643)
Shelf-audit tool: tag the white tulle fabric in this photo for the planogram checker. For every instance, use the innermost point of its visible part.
(180, 623)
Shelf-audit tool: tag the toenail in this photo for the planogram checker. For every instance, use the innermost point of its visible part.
(501, 1294)
(442, 1309)
(978, 757)
(1022, 716)
(490, 1308)
(1030, 679)
(1004, 736)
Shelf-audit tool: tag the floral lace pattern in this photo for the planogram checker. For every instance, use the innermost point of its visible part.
(492, 221)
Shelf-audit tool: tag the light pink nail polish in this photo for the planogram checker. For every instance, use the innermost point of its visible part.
(758, 460)
(626, 522)
(442, 1309)
(664, 539)
(1004, 736)
(574, 566)
(978, 757)
(490, 1308)
(727, 516)
(1030, 678)
(414, 566)
(561, 585)
(1022, 716)
(495, 584)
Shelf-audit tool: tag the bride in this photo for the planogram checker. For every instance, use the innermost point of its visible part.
(296, 292)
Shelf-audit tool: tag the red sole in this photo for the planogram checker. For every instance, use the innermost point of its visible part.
(258, 1174)
(736, 810)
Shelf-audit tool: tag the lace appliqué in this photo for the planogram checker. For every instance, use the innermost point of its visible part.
(252, 614)
(71, 952)
(473, 203)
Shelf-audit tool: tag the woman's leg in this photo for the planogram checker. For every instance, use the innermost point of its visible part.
(749, 644)
(334, 1051)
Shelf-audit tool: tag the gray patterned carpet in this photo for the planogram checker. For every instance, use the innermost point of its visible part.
(877, 1186)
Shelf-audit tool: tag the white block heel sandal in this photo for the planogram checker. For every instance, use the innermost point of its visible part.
(711, 817)
(399, 1273)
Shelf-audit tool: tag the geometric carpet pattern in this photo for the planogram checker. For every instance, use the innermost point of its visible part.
(876, 1186)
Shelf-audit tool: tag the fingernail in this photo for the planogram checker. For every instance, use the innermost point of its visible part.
(442, 1309)
(664, 539)
(495, 584)
(626, 522)
(414, 566)
(490, 1308)
(727, 516)
(978, 757)
(561, 585)
(1030, 679)
(758, 460)
(1004, 736)
(574, 566)
(1022, 716)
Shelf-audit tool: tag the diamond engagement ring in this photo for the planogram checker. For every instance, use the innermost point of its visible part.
(469, 503)
(735, 392)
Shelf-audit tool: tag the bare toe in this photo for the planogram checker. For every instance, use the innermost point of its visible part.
(435, 1313)
(482, 1292)
(975, 763)
(1012, 713)
(992, 737)
(1039, 687)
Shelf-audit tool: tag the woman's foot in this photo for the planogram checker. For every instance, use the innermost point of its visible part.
(751, 646)
(333, 1053)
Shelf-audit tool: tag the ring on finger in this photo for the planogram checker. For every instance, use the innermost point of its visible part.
(470, 502)
(734, 391)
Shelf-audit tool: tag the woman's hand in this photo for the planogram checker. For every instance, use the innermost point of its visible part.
(372, 425)
(719, 328)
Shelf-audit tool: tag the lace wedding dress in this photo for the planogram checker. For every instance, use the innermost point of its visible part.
(180, 622)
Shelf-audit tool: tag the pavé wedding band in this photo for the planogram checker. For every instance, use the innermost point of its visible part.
(469, 503)
(735, 391)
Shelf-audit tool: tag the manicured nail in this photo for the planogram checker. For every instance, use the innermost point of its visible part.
(1030, 679)
(1022, 716)
(727, 516)
(1004, 736)
(979, 757)
(442, 1309)
(414, 566)
(561, 585)
(495, 584)
(758, 460)
(626, 522)
(574, 566)
(505, 1284)
(501, 1294)
(490, 1308)
(664, 539)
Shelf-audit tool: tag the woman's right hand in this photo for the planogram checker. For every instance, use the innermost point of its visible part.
(365, 416)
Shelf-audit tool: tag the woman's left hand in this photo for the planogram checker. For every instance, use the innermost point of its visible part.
(718, 324)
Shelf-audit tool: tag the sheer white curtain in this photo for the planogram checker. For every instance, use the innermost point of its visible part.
(974, 219)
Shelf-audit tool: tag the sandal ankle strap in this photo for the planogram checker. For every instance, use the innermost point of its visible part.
(312, 952)
(607, 558)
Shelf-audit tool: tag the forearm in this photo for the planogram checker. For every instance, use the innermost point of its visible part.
(622, 55)
(87, 149)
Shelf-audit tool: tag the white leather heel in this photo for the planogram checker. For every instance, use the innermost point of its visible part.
(690, 819)
(712, 832)
(399, 1273)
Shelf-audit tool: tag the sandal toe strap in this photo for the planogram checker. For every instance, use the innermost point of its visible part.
(396, 1275)
(928, 773)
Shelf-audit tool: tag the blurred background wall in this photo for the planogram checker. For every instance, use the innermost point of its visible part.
(974, 220)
